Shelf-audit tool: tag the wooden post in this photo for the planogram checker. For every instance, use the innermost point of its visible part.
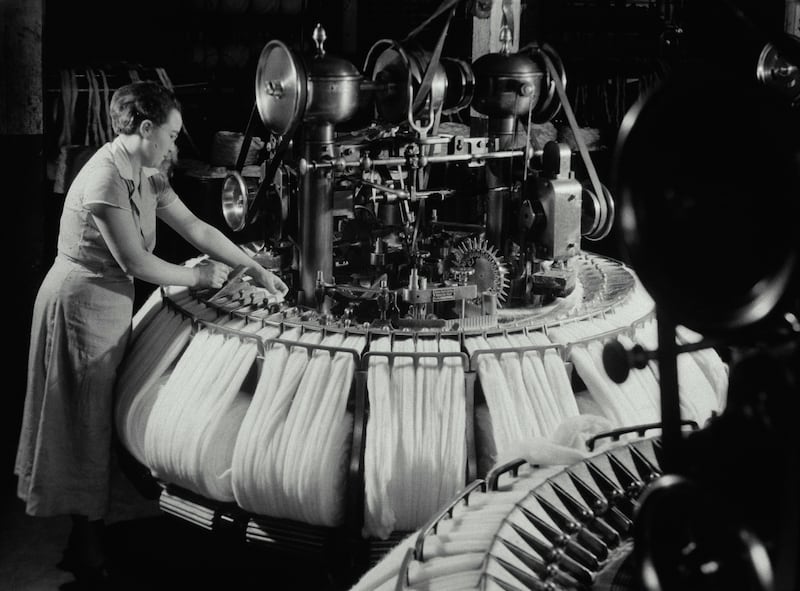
(486, 39)
(486, 32)
(349, 27)
(21, 108)
(793, 17)
(22, 171)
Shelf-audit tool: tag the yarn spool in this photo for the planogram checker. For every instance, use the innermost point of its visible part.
(226, 145)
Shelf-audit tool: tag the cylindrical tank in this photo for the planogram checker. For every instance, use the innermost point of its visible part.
(507, 86)
(333, 91)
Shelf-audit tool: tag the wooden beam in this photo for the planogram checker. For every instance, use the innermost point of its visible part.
(21, 104)
(349, 27)
(486, 39)
(793, 17)
(486, 32)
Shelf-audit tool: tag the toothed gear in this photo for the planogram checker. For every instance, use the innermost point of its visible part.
(490, 271)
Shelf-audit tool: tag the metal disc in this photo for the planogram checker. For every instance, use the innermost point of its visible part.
(235, 201)
(712, 233)
(598, 213)
(775, 70)
(394, 73)
(280, 87)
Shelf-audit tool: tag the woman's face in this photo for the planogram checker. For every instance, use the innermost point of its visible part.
(159, 141)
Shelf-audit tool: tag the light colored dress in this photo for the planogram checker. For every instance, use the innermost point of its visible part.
(80, 328)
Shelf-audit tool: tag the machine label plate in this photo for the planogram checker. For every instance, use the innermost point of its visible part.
(443, 294)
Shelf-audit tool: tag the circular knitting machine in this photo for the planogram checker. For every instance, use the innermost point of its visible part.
(443, 317)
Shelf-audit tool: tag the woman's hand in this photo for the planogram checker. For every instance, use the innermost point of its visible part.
(269, 280)
(210, 274)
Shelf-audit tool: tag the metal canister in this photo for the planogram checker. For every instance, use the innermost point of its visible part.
(333, 85)
(506, 84)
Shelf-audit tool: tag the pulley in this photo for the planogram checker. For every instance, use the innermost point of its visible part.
(549, 103)
(280, 88)
(597, 212)
(321, 89)
(238, 194)
(775, 69)
(240, 206)
(712, 227)
(397, 70)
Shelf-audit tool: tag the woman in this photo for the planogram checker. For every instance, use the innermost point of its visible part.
(83, 310)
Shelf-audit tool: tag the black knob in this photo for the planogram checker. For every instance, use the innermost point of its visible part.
(618, 361)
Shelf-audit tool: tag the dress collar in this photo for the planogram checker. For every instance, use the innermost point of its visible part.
(122, 160)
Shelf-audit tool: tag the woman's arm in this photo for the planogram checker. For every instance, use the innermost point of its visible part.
(123, 239)
(209, 240)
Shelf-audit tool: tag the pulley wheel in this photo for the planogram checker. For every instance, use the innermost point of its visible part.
(237, 198)
(280, 87)
(393, 69)
(549, 104)
(597, 212)
(460, 85)
(711, 227)
(775, 70)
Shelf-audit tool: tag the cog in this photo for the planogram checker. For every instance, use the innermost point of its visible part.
(490, 270)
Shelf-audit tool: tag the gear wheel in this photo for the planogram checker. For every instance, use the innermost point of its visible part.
(490, 271)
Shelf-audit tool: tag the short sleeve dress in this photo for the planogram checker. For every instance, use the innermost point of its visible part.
(80, 329)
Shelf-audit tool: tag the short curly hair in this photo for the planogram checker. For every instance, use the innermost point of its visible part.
(133, 103)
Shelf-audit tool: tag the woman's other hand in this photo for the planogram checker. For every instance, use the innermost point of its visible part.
(270, 281)
(210, 274)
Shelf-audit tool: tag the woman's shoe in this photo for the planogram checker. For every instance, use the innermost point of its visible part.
(86, 576)
(96, 578)
(69, 560)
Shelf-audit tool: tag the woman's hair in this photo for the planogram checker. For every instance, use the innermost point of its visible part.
(133, 103)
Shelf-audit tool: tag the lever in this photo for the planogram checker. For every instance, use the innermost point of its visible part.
(618, 361)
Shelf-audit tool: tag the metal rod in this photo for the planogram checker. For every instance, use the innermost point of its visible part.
(306, 165)
(670, 400)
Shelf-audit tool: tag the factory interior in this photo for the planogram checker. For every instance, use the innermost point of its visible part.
(542, 327)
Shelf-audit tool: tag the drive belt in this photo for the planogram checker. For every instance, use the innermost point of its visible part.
(272, 168)
(597, 187)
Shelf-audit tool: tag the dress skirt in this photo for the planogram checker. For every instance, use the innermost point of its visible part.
(80, 329)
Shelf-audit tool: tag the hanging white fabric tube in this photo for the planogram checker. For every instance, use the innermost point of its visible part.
(505, 423)
(382, 433)
(599, 388)
(262, 496)
(526, 407)
(404, 388)
(710, 363)
(453, 457)
(219, 426)
(557, 375)
(259, 424)
(159, 425)
(334, 429)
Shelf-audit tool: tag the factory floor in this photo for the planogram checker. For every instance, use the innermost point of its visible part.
(147, 550)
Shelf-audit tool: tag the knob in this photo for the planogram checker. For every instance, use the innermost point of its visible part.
(319, 35)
